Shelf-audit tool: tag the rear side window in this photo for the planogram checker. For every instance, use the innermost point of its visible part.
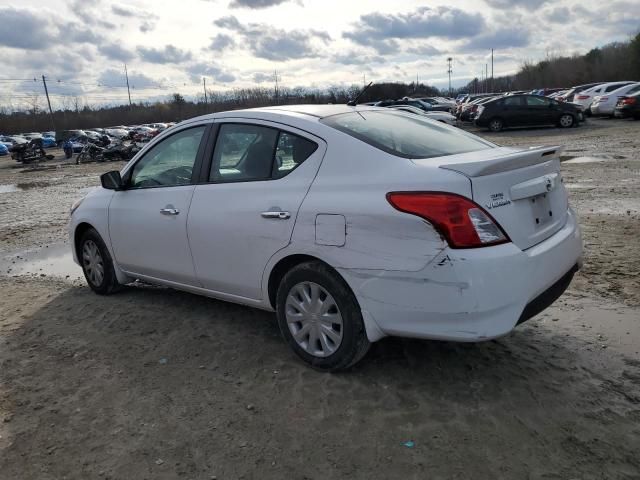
(538, 101)
(246, 152)
(512, 101)
(405, 135)
(611, 88)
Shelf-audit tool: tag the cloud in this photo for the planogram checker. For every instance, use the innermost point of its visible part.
(558, 15)
(147, 26)
(222, 41)
(503, 38)
(22, 28)
(272, 43)
(168, 54)
(116, 78)
(507, 4)
(262, 77)
(354, 57)
(114, 51)
(123, 10)
(255, 4)
(209, 69)
(379, 31)
(424, 50)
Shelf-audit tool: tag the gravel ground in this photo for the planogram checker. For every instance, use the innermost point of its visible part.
(154, 383)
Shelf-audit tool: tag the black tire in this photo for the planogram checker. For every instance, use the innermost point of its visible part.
(496, 124)
(354, 344)
(109, 283)
(566, 120)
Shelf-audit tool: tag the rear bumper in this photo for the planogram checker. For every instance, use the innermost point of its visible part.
(602, 109)
(469, 295)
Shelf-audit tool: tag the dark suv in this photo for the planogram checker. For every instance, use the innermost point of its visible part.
(526, 111)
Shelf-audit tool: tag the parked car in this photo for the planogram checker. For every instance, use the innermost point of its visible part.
(527, 110)
(437, 105)
(63, 135)
(13, 139)
(4, 150)
(49, 142)
(628, 106)
(284, 209)
(470, 109)
(119, 133)
(443, 117)
(606, 104)
(586, 97)
(569, 94)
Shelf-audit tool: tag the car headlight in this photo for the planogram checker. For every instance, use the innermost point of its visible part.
(75, 205)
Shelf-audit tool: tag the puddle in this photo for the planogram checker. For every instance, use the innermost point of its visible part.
(9, 188)
(20, 187)
(55, 261)
(578, 186)
(598, 157)
(582, 159)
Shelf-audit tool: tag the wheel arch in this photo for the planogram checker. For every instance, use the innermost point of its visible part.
(286, 263)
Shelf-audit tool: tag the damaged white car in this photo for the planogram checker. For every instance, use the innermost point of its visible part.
(351, 223)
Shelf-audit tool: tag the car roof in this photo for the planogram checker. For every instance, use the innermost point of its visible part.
(313, 111)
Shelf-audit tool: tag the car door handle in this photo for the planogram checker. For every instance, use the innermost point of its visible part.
(169, 211)
(276, 214)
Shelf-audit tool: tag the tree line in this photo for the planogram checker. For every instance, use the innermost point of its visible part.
(177, 108)
(612, 62)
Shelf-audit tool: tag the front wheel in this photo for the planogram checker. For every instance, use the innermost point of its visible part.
(566, 121)
(97, 264)
(320, 318)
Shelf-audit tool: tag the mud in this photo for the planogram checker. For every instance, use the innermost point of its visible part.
(154, 383)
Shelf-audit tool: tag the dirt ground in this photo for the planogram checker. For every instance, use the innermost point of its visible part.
(157, 384)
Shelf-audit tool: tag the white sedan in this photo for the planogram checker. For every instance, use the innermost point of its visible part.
(606, 104)
(351, 223)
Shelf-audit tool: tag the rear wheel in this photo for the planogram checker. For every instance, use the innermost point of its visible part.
(320, 318)
(97, 264)
(496, 124)
(566, 120)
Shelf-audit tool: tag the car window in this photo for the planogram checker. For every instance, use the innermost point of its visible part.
(243, 152)
(170, 162)
(512, 101)
(291, 151)
(610, 88)
(405, 135)
(537, 101)
(633, 90)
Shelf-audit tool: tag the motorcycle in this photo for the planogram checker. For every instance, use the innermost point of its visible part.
(29, 152)
(91, 152)
(120, 151)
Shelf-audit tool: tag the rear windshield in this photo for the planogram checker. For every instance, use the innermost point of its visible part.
(405, 135)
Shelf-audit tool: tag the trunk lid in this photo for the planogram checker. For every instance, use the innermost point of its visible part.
(522, 189)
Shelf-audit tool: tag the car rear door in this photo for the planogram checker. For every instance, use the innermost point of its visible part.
(245, 209)
(539, 110)
(148, 219)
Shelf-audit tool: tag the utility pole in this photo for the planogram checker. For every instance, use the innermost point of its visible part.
(449, 70)
(364, 79)
(276, 91)
(492, 69)
(53, 123)
(126, 74)
(204, 85)
(486, 77)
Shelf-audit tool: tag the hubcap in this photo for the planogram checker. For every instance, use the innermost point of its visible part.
(92, 263)
(566, 120)
(314, 319)
(495, 125)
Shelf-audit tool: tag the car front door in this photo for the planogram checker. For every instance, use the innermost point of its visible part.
(148, 219)
(539, 110)
(259, 176)
(513, 110)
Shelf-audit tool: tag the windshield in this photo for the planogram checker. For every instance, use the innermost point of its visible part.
(406, 135)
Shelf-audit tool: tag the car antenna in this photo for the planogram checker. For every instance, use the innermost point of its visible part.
(354, 102)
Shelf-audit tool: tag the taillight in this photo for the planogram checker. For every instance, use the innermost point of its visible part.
(629, 101)
(583, 97)
(462, 222)
(603, 99)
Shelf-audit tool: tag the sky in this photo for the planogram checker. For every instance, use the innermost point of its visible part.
(81, 46)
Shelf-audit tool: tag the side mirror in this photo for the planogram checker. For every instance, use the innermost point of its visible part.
(112, 180)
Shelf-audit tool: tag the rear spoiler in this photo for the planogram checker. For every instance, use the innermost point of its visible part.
(511, 160)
